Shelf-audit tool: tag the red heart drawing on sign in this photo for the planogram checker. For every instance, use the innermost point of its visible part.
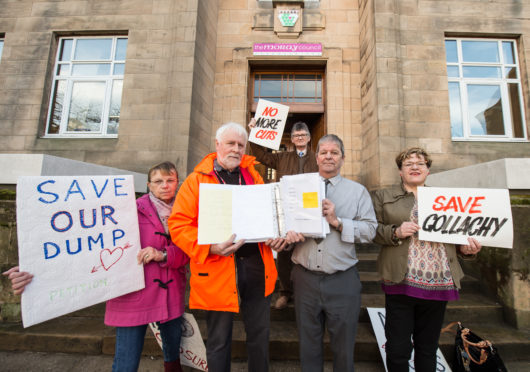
(109, 258)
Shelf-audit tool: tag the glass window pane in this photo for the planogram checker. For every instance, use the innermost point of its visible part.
(119, 68)
(304, 89)
(92, 49)
(451, 54)
(480, 51)
(121, 48)
(515, 109)
(481, 72)
(507, 50)
(57, 107)
(485, 110)
(63, 69)
(115, 107)
(455, 110)
(91, 69)
(319, 88)
(86, 106)
(305, 100)
(510, 72)
(66, 50)
(1, 48)
(452, 71)
(256, 86)
(271, 88)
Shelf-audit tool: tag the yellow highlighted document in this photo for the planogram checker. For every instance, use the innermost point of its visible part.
(310, 199)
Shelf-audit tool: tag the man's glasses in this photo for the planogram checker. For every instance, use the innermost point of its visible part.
(299, 135)
(419, 165)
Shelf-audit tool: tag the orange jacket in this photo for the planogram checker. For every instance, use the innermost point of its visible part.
(213, 278)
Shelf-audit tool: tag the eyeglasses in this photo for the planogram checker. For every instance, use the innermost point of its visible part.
(161, 182)
(299, 135)
(418, 164)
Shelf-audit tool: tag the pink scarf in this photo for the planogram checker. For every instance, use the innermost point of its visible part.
(162, 209)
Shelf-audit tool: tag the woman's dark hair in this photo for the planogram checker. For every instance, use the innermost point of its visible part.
(165, 167)
(405, 154)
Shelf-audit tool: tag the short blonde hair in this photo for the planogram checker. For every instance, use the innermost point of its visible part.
(405, 154)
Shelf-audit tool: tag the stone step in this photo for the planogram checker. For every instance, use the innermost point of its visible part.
(367, 262)
(470, 307)
(39, 361)
(88, 336)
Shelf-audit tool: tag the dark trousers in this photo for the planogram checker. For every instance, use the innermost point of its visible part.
(422, 319)
(285, 266)
(332, 301)
(255, 309)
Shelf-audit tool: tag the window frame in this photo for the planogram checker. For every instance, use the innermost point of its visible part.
(109, 80)
(294, 106)
(502, 82)
(2, 42)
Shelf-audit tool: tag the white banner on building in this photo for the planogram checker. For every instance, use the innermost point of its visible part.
(192, 349)
(270, 123)
(451, 215)
(79, 237)
(377, 317)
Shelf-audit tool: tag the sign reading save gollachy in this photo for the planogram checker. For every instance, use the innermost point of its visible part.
(270, 123)
(79, 238)
(451, 215)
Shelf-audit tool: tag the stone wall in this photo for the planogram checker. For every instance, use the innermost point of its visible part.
(9, 303)
(412, 98)
(505, 273)
(156, 105)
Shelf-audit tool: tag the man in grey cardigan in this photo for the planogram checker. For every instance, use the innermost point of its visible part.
(302, 160)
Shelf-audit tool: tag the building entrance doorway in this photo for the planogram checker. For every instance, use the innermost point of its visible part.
(302, 89)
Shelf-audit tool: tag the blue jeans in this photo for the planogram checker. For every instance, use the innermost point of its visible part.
(130, 342)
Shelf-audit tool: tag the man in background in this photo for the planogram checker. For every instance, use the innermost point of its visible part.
(301, 160)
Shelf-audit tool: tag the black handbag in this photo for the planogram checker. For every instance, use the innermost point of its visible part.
(473, 354)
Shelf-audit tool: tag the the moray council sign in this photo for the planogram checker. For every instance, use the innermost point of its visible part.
(287, 49)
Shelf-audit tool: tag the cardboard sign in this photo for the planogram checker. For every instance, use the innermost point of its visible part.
(270, 123)
(450, 215)
(192, 349)
(79, 237)
(377, 318)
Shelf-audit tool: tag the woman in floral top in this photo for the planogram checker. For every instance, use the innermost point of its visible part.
(418, 277)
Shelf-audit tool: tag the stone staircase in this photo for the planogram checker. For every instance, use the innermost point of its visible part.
(83, 332)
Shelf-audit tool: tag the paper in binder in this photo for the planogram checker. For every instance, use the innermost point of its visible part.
(260, 212)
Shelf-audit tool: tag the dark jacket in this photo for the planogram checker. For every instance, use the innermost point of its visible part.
(392, 207)
(286, 163)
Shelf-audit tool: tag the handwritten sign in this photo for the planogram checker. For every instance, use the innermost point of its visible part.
(192, 349)
(450, 215)
(377, 318)
(79, 237)
(270, 123)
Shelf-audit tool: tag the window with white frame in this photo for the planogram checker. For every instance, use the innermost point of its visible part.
(87, 87)
(485, 93)
(1, 46)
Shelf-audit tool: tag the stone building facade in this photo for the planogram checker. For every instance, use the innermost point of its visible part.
(381, 79)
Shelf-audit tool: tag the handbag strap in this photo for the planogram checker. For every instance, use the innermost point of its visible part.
(448, 329)
(481, 345)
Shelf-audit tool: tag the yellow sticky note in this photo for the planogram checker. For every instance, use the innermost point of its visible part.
(310, 199)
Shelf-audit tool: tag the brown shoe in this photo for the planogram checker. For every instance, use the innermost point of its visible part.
(281, 302)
